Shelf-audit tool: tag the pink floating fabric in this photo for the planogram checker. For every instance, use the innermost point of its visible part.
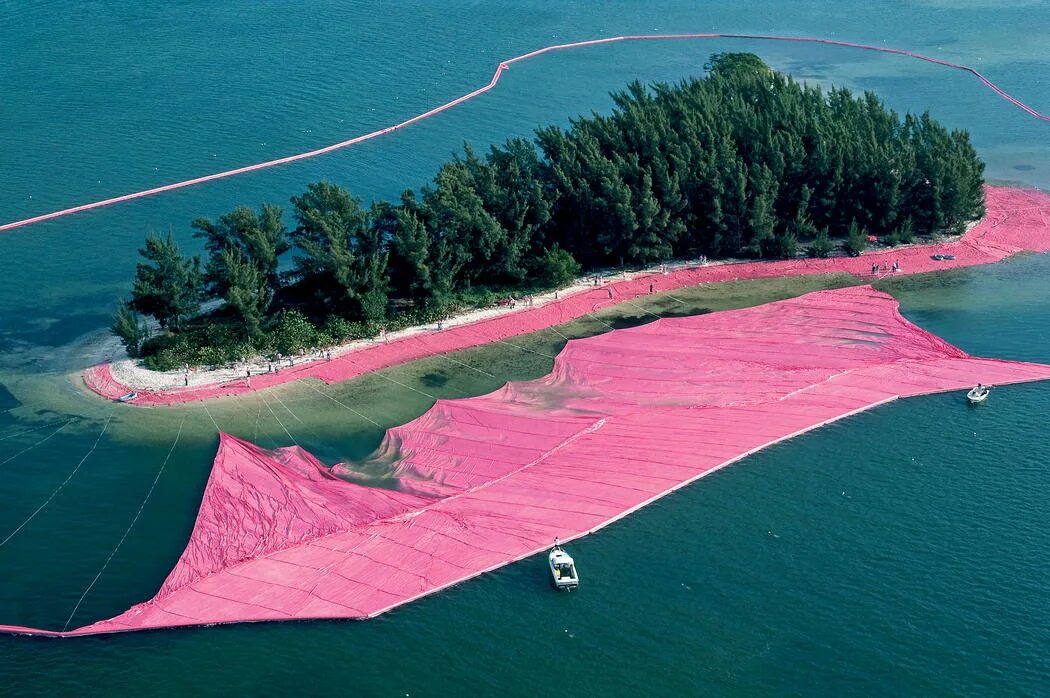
(1017, 220)
(624, 418)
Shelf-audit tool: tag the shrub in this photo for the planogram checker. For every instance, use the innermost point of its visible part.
(906, 231)
(292, 333)
(856, 240)
(338, 328)
(821, 246)
(785, 245)
(558, 267)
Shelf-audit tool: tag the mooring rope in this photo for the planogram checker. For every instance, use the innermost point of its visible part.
(29, 430)
(130, 526)
(338, 402)
(295, 416)
(395, 382)
(64, 482)
(466, 365)
(278, 420)
(205, 406)
(30, 448)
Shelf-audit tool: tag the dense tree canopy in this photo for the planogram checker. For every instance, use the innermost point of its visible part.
(744, 162)
(167, 286)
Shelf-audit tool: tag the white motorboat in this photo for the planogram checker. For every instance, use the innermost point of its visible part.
(563, 569)
(978, 394)
(127, 397)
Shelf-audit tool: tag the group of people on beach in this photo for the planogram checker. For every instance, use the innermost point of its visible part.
(876, 267)
(526, 301)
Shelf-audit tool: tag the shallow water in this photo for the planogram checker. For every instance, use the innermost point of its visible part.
(900, 550)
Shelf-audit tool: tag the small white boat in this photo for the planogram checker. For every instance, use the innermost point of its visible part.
(978, 394)
(127, 397)
(563, 569)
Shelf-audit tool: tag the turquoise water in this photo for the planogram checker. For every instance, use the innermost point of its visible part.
(900, 551)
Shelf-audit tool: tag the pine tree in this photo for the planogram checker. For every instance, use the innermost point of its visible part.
(167, 286)
(260, 239)
(410, 275)
(762, 221)
(130, 328)
(247, 291)
(344, 259)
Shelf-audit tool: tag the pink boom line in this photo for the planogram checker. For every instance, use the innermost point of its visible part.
(492, 83)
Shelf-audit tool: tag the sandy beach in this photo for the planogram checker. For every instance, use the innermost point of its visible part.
(1016, 221)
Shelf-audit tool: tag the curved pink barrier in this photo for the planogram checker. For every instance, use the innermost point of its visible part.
(623, 419)
(492, 83)
(1017, 220)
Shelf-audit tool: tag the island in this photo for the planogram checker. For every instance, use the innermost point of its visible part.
(742, 163)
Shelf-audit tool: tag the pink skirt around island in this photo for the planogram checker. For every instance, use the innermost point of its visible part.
(624, 418)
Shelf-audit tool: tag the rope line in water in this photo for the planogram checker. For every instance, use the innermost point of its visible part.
(466, 365)
(644, 310)
(258, 415)
(675, 299)
(504, 65)
(395, 382)
(64, 482)
(30, 448)
(241, 402)
(295, 416)
(597, 319)
(359, 414)
(554, 329)
(130, 526)
(279, 420)
(205, 406)
(29, 430)
(524, 349)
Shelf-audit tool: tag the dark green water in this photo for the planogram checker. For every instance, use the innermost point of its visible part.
(900, 551)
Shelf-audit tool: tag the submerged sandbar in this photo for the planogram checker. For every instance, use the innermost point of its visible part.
(623, 419)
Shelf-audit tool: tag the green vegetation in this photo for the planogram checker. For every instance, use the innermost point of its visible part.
(745, 162)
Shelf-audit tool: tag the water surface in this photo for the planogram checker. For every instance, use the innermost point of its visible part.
(900, 551)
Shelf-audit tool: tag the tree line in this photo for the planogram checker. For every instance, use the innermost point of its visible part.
(743, 162)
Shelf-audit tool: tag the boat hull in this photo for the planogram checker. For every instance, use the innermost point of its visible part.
(977, 398)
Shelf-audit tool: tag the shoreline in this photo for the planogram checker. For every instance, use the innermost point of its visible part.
(1016, 220)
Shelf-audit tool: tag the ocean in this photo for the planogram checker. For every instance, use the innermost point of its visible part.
(898, 551)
